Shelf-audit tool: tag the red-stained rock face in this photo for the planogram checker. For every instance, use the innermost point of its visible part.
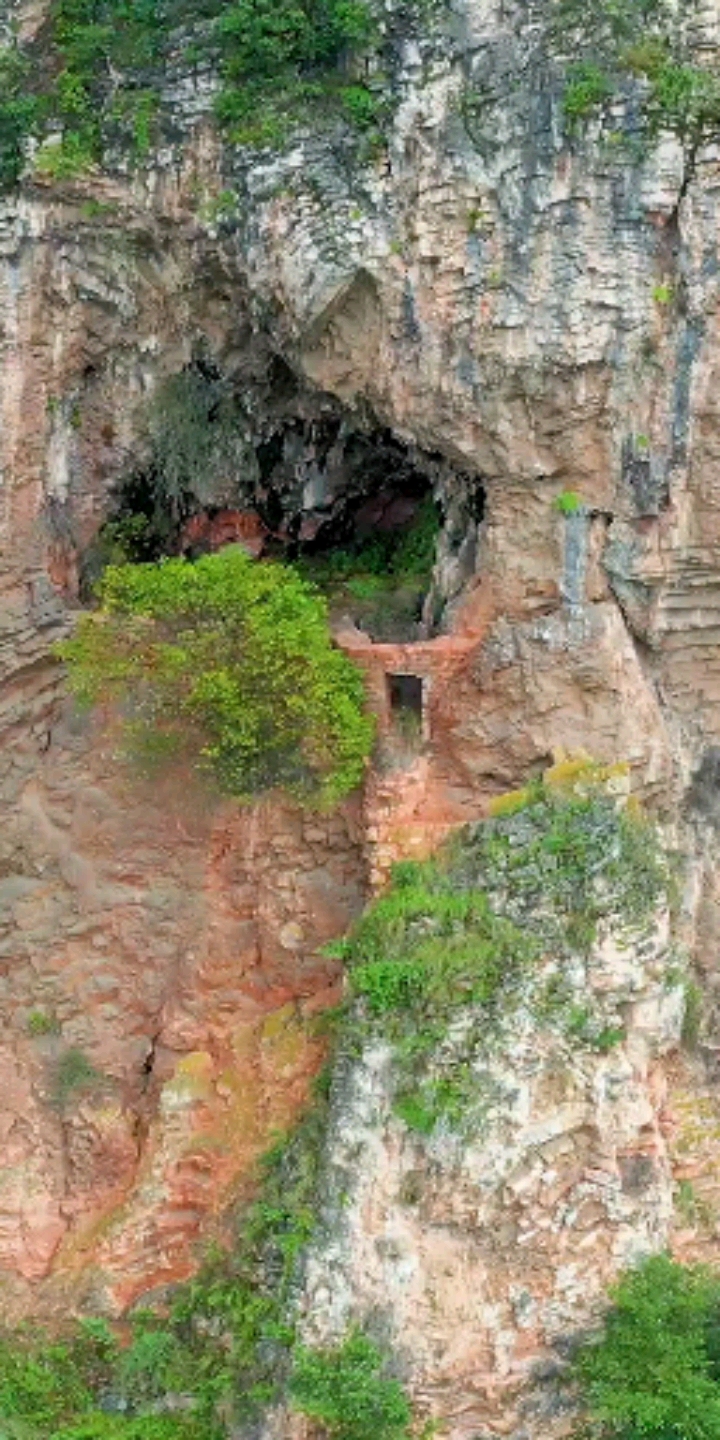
(174, 944)
(224, 527)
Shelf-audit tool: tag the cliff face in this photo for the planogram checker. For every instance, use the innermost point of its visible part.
(523, 316)
(480, 1256)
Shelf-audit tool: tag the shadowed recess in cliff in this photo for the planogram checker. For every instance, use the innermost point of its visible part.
(289, 473)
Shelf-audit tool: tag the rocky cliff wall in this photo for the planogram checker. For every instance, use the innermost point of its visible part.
(534, 311)
(480, 1258)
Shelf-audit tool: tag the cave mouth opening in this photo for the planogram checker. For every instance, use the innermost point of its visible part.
(361, 513)
(371, 544)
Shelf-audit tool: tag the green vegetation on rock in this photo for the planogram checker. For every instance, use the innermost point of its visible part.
(458, 943)
(227, 664)
(654, 1373)
(52, 1387)
(640, 48)
(347, 1389)
(382, 582)
(243, 1294)
(73, 1075)
(277, 54)
(568, 502)
(448, 950)
(226, 1348)
(89, 86)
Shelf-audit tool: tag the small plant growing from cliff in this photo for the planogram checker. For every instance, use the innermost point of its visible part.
(227, 664)
(73, 1075)
(41, 1023)
(693, 1017)
(663, 294)
(348, 1390)
(588, 88)
(568, 502)
(654, 1372)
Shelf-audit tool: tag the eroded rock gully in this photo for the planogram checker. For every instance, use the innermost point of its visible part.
(537, 317)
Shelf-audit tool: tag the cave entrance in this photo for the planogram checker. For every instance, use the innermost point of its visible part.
(373, 550)
(291, 474)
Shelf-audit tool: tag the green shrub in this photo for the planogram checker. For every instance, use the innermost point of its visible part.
(229, 664)
(42, 1022)
(348, 1390)
(588, 87)
(362, 106)
(654, 1372)
(274, 49)
(47, 1382)
(73, 1075)
(568, 502)
(99, 1426)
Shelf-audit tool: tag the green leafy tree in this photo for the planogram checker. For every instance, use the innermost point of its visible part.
(347, 1389)
(651, 1376)
(230, 664)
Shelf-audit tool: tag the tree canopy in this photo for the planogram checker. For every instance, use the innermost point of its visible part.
(229, 664)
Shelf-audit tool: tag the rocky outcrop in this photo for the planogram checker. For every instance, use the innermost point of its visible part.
(478, 1250)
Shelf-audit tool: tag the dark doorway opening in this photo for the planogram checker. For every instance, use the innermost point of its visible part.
(405, 693)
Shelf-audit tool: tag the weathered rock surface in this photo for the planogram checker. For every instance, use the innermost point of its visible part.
(173, 944)
(487, 291)
(477, 1257)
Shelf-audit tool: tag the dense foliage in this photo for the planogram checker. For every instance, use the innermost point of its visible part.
(654, 1374)
(52, 1387)
(347, 1389)
(229, 665)
(92, 80)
